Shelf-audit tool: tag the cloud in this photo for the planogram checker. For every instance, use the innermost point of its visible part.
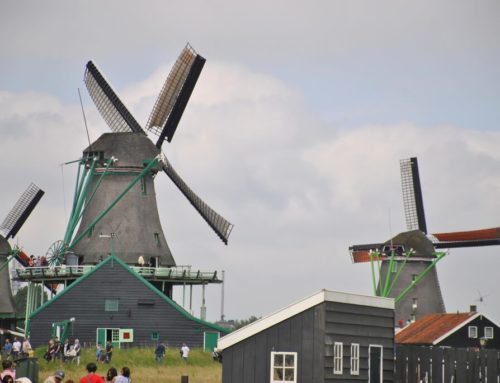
(298, 189)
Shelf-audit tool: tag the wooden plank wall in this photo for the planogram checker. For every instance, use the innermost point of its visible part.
(415, 364)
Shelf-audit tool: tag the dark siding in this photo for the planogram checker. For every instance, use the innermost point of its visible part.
(358, 324)
(249, 360)
(460, 338)
(85, 302)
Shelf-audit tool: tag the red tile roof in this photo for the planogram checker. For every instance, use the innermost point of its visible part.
(430, 328)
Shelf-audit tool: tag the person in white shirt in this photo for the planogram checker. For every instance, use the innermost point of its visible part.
(184, 351)
(16, 348)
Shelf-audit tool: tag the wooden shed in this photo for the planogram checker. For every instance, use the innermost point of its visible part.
(113, 302)
(328, 336)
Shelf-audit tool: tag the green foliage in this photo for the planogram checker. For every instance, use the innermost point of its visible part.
(243, 322)
(22, 295)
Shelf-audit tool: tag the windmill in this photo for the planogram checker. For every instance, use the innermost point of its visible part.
(114, 208)
(404, 266)
(9, 228)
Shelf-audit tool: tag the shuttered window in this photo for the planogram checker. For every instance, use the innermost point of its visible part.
(355, 359)
(338, 355)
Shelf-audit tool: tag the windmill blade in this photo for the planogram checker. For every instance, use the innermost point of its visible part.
(21, 211)
(470, 238)
(219, 224)
(412, 195)
(175, 95)
(109, 105)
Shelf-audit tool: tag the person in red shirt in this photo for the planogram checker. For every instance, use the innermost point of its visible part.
(91, 376)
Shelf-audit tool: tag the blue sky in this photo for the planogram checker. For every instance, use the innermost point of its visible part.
(294, 132)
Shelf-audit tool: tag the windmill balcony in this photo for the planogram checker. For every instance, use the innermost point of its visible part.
(174, 275)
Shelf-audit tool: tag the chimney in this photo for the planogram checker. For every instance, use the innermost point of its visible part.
(473, 308)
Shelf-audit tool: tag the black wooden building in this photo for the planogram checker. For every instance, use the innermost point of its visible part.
(113, 302)
(329, 336)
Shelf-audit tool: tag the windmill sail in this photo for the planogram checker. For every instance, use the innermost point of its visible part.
(21, 211)
(111, 108)
(219, 224)
(412, 195)
(175, 95)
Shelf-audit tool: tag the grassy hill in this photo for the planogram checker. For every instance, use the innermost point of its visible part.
(144, 369)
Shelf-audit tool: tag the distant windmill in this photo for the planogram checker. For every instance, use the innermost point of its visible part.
(404, 266)
(9, 228)
(115, 196)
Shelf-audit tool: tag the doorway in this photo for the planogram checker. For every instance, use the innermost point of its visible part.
(375, 366)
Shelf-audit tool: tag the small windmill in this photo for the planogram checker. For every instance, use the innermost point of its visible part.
(404, 266)
(115, 196)
(12, 223)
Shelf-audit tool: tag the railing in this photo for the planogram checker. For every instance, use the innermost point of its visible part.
(178, 273)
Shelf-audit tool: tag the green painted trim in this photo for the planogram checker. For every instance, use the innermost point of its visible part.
(113, 258)
(7, 315)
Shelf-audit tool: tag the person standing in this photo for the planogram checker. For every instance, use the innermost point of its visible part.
(7, 347)
(7, 369)
(124, 376)
(184, 352)
(16, 348)
(109, 351)
(159, 352)
(26, 347)
(91, 376)
(78, 349)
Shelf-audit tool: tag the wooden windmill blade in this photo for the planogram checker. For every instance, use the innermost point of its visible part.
(175, 95)
(470, 238)
(21, 211)
(361, 253)
(218, 223)
(109, 105)
(412, 195)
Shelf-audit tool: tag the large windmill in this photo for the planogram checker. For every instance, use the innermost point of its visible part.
(9, 228)
(404, 266)
(115, 196)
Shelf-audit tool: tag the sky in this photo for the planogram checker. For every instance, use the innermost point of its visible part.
(294, 131)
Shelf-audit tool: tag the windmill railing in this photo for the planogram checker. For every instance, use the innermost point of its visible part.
(175, 275)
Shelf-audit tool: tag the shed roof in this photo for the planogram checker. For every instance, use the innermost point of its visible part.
(433, 328)
(298, 307)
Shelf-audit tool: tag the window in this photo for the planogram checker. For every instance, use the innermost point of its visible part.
(283, 367)
(355, 359)
(111, 304)
(157, 240)
(488, 332)
(155, 335)
(115, 335)
(338, 349)
(472, 331)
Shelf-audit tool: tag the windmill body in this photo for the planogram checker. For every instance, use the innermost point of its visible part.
(132, 229)
(426, 296)
(7, 307)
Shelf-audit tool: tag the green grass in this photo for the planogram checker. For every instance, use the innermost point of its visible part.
(144, 369)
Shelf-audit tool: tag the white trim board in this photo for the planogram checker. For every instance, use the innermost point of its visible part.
(298, 307)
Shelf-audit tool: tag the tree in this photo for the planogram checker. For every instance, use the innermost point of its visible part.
(22, 295)
(243, 322)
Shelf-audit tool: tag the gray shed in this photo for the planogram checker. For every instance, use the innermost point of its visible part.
(113, 302)
(328, 336)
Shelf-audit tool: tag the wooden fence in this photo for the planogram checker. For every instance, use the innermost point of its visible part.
(415, 364)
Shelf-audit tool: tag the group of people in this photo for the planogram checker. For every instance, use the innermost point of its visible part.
(16, 349)
(161, 349)
(39, 261)
(104, 354)
(65, 352)
(91, 376)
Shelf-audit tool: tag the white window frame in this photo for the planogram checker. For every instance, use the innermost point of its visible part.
(355, 359)
(338, 358)
(472, 331)
(490, 335)
(273, 354)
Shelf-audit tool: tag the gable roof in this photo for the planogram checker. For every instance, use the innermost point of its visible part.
(433, 328)
(298, 307)
(113, 258)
